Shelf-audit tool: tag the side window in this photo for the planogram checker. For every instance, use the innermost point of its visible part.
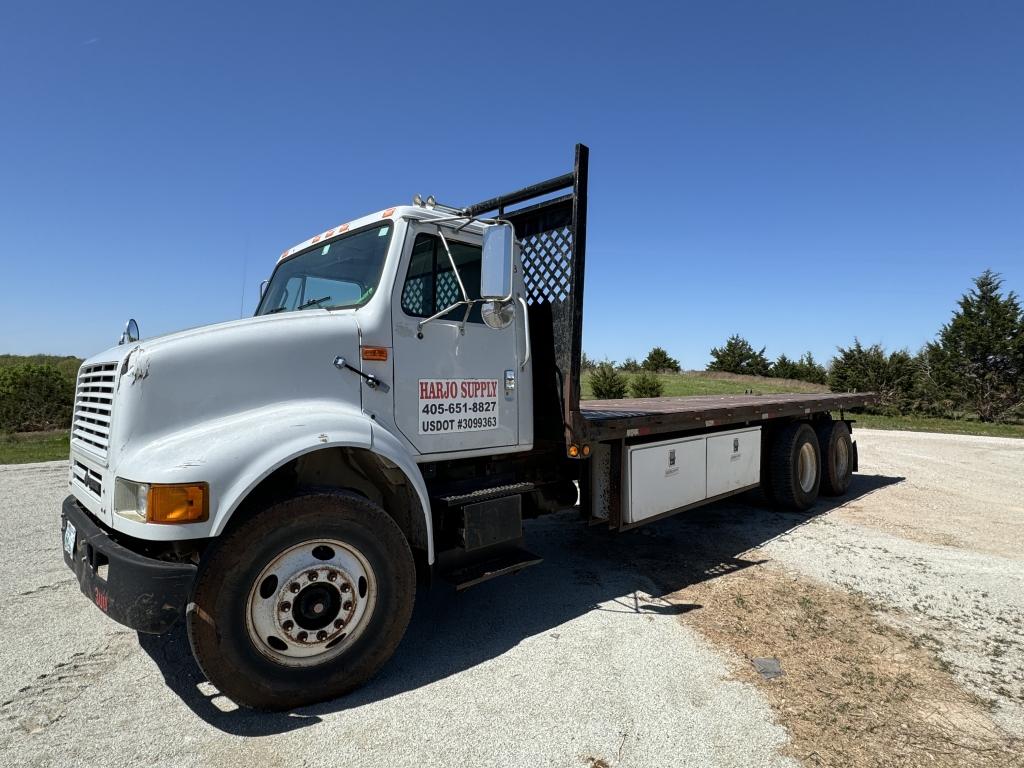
(430, 283)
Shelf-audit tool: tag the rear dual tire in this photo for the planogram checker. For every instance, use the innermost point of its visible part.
(804, 462)
(837, 457)
(794, 462)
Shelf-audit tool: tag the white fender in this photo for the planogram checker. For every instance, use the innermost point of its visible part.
(236, 453)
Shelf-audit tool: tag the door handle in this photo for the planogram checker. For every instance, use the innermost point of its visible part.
(371, 381)
(526, 332)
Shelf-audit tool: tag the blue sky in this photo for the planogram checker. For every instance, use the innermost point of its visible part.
(796, 172)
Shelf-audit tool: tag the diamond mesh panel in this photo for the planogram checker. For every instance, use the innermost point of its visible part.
(547, 266)
(447, 290)
(413, 298)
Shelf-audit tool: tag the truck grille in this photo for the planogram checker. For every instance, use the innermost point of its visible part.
(94, 398)
(89, 478)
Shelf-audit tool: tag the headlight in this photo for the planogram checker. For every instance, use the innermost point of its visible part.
(131, 500)
(159, 503)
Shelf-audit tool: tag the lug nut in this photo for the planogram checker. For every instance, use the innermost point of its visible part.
(321, 635)
(347, 605)
(345, 587)
(295, 586)
(303, 636)
(338, 623)
(332, 576)
(312, 575)
(288, 626)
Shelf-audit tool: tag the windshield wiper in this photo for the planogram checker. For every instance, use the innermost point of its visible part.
(275, 309)
(313, 302)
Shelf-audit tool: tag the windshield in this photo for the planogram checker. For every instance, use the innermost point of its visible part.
(342, 272)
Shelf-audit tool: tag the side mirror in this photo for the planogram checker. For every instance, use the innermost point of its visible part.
(496, 263)
(131, 333)
(263, 288)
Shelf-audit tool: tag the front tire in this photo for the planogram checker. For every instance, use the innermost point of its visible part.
(304, 602)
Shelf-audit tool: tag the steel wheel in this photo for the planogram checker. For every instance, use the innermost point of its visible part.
(310, 603)
(808, 467)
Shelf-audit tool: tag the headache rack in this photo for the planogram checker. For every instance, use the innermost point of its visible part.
(553, 236)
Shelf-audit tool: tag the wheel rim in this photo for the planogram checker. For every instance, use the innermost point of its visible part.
(807, 470)
(842, 459)
(310, 602)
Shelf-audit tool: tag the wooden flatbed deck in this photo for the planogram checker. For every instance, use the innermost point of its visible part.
(611, 419)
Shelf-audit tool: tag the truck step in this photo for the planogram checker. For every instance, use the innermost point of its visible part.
(513, 561)
(461, 499)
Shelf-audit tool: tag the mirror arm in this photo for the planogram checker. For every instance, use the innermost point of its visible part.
(455, 269)
(468, 304)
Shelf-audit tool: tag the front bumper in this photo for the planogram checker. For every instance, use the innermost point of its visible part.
(140, 592)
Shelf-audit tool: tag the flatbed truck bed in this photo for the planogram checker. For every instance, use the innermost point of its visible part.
(634, 417)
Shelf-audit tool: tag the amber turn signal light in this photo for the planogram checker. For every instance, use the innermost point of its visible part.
(379, 354)
(186, 503)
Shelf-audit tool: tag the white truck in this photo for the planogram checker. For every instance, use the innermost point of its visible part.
(407, 392)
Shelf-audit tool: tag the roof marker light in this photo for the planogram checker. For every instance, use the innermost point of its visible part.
(387, 213)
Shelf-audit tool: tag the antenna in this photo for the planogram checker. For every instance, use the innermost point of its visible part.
(241, 301)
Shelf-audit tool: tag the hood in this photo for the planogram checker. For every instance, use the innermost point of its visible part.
(169, 383)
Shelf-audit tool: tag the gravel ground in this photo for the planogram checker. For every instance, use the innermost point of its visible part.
(574, 662)
(962, 594)
(570, 663)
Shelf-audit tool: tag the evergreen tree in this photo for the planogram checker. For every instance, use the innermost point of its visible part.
(645, 384)
(630, 365)
(893, 377)
(737, 356)
(606, 383)
(784, 368)
(977, 361)
(808, 369)
(659, 361)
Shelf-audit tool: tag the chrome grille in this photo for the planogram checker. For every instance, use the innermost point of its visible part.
(90, 478)
(94, 399)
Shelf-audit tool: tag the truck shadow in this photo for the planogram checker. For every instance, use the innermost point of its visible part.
(584, 569)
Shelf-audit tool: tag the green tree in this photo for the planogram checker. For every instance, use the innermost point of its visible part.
(630, 365)
(894, 377)
(35, 397)
(645, 384)
(977, 361)
(809, 369)
(659, 361)
(784, 368)
(738, 356)
(606, 383)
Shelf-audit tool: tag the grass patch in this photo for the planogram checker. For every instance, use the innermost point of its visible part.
(29, 447)
(710, 383)
(932, 424)
(855, 692)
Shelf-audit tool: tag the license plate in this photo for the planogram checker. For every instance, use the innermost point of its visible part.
(69, 538)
